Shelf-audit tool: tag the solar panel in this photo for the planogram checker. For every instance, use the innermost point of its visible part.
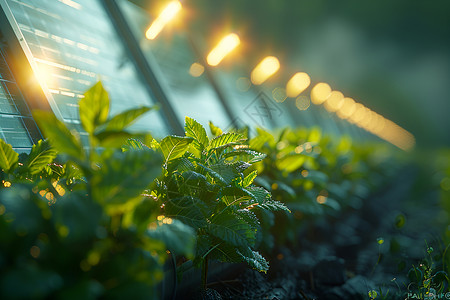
(73, 45)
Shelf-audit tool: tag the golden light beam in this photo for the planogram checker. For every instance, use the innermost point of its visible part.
(164, 17)
(223, 48)
(265, 69)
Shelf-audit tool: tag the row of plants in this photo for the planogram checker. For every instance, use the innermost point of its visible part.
(99, 216)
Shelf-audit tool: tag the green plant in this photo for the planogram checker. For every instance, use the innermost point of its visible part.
(430, 277)
(85, 227)
(207, 185)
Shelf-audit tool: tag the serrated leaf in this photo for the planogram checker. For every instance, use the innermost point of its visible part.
(216, 131)
(8, 157)
(216, 176)
(181, 164)
(273, 205)
(124, 119)
(290, 163)
(259, 194)
(249, 178)
(232, 230)
(174, 146)
(245, 155)
(249, 217)
(189, 210)
(125, 175)
(58, 134)
(254, 259)
(94, 107)
(226, 139)
(40, 156)
(197, 131)
(136, 144)
(227, 172)
(177, 237)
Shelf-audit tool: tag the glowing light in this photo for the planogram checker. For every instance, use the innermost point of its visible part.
(279, 94)
(321, 199)
(265, 69)
(6, 183)
(334, 101)
(166, 15)
(347, 108)
(196, 69)
(320, 93)
(225, 46)
(302, 103)
(297, 84)
(358, 114)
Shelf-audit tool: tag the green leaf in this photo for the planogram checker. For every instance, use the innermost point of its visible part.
(263, 137)
(226, 139)
(232, 230)
(59, 135)
(245, 155)
(177, 237)
(290, 162)
(216, 176)
(216, 131)
(189, 210)
(226, 172)
(40, 156)
(136, 144)
(8, 157)
(125, 175)
(273, 205)
(249, 178)
(260, 195)
(174, 146)
(94, 108)
(254, 259)
(197, 131)
(124, 119)
(112, 139)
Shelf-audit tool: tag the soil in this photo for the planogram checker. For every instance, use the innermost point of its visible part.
(371, 248)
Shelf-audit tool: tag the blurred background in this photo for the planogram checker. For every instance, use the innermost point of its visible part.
(392, 57)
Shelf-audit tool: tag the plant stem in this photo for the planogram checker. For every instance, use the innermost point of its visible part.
(204, 273)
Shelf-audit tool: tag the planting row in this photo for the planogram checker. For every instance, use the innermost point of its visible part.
(97, 216)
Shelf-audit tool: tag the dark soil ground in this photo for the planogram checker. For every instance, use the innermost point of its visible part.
(342, 258)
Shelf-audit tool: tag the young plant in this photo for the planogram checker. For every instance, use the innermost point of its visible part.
(207, 186)
(101, 236)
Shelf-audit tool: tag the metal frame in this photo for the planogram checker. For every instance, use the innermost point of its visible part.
(146, 73)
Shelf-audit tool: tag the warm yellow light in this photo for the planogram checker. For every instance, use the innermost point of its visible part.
(225, 46)
(358, 114)
(321, 199)
(196, 69)
(320, 93)
(334, 101)
(347, 108)
(266, 68)
(166, 15)
(297, 84)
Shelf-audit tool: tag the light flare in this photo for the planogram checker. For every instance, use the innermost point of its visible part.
(223, 48)
(165, 17)
(264, 70)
